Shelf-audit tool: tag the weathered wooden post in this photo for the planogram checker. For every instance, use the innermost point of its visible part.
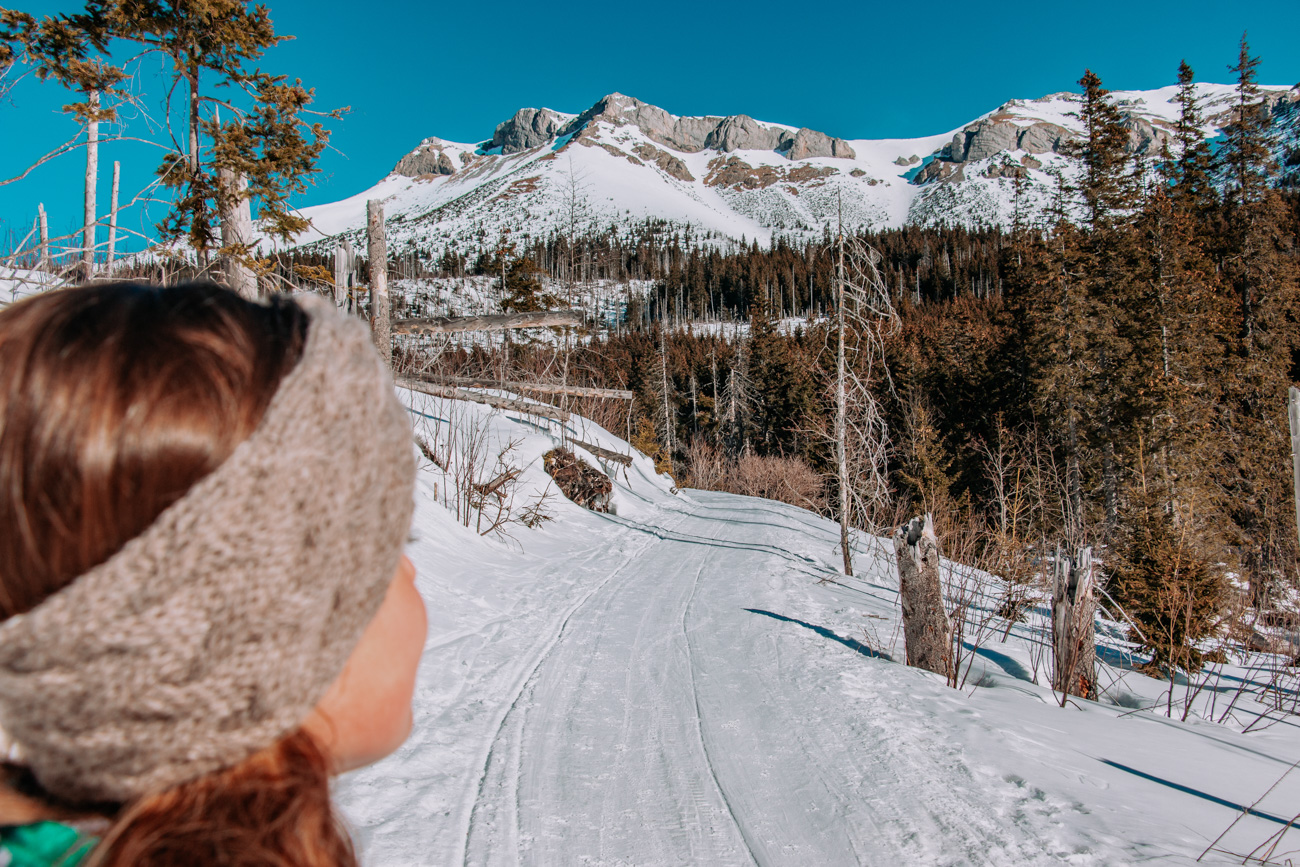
(45, 237)
(381, 326)
(1074, 641)
(112, 219)
(927, 634)
(1293, 412)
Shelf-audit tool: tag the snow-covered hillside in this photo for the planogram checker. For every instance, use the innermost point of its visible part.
(623, 162)
(689, 681)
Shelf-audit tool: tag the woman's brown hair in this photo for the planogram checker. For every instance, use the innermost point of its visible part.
(114, 401)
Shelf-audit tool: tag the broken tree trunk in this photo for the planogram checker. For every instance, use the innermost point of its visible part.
(927, 634)
(345, 262)
(237, 235)
(112, 220)
(538, 409)
(381, 318)
(504, 322)
(1074, 644)
(538, 387)
(45, 237)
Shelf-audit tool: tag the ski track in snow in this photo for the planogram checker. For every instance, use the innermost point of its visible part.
(692, 681)
(662, 725)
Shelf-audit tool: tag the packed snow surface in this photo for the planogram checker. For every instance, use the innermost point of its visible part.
(691, 681)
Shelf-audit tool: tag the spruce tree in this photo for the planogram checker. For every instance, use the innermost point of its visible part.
(1254, 253)
(1191, 177)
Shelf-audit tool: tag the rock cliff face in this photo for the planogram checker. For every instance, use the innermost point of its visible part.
(532, 127)
(529, 128)
(998, 134)
(428, 159)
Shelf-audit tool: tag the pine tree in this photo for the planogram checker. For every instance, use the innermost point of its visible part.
(211, 44)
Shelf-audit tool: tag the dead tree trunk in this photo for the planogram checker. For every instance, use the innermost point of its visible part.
(112, 219)
(501, 322)
(344, 264)
(92, 177)
(1293, 413)
(45, 237)
(381, 323)
(538, 387)
(237, 235)
(841, 410)
(927, 634)
(1073, 641)
(544, 410)
(664, 383)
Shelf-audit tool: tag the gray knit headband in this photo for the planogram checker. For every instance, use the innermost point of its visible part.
(215, 632)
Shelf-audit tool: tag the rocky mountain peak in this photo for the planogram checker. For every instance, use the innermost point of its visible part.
(533, 127)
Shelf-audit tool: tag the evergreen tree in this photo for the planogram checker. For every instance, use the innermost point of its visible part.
(1245, 155)
(1192, 166)
(523, 291)
(784, 390)
(211, 44)
(1255, 258)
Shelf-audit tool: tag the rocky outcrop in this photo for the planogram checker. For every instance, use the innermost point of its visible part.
(532, 127)
(742, 133)
(736, 174)
(680, 133)
(428, 159)
(1142, 136)
(809, 143)
(1042, 137)
(989, 138)
(668, 163)
(529, 128)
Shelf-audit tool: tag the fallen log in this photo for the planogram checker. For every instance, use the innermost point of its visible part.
(504, 322)
(538, 387)
(538, 409)
(605, 454)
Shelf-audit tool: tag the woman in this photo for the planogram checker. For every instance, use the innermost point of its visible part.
(204, 607)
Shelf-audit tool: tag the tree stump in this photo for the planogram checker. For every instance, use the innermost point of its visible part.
(927, 634)
(1074, 642)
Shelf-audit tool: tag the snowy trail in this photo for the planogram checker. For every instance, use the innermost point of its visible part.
(677, 685)
(677, 720)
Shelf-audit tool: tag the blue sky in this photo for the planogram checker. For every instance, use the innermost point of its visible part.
(455, 70)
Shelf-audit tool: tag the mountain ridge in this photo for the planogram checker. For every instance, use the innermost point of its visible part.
(623, 161)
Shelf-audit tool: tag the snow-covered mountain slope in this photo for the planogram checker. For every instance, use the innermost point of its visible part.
(623, 161)
(690, 681)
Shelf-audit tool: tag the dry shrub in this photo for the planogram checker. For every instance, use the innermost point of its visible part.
(578, 480)
(785, 479)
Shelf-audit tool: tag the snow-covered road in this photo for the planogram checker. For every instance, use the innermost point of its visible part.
(673, 686)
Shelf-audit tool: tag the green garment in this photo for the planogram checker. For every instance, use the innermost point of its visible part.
(44, 844)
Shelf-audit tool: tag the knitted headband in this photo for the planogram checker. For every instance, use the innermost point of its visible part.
(214, 633)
